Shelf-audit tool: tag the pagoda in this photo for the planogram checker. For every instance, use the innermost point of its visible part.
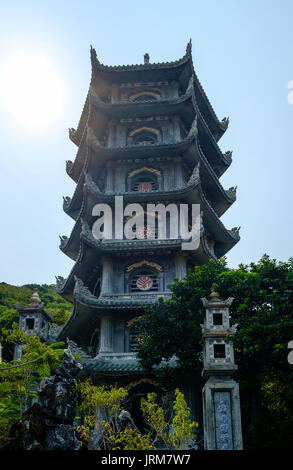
(148, 133)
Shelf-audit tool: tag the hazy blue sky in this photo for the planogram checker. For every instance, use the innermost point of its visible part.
(242, 52)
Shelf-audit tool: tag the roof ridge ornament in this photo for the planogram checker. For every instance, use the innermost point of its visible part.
(228, 155)
(232, 191)
(35, 298)
(146, 58)
(195, 174)
(189, 47)
(60, 280)
(94, 58)
(66, 201)
(193, 130)
(72, 134)
(214, 293)
(63, 241)
(69, 165)
(225, 122)
(235, 231)
(80, 288)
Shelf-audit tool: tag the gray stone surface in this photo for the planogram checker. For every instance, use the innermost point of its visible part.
(49, 424)
(221, 400)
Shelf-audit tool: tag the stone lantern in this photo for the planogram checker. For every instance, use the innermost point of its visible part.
(221, 400)
(32, 320)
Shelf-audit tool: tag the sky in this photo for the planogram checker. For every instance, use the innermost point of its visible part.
(242, 53)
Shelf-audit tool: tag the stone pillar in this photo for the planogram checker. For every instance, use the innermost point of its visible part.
(112, 134)
(221, 400)
(178, 175)
(176, 129)
(109, 188)
(106, 338)
(120, 177)
(180, 266)
(114, 93)
(174, 89)
(107, 278)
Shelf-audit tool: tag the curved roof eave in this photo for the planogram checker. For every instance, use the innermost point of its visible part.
(227, 195)
(218, 127)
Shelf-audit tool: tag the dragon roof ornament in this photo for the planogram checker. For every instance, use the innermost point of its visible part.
(81, 289)
(63, 241)
(235, 232)
(60, 281)
(89, 183)
(194, 175)
(193, 130)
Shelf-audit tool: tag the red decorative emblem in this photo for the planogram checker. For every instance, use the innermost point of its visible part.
(144, 232)
(144, 142)
(144, 283)
(145, 187)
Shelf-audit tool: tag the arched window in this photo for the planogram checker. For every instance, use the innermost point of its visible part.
(144, 180)
(144, 276)
(145, 96)
(144, 136)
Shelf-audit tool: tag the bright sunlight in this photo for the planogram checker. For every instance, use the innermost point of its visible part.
(30, 90)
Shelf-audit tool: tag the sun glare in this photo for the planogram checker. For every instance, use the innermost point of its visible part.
(30, 90)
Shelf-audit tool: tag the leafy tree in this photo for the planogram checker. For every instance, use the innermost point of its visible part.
(181, 433)
(101, 406)
(17, 378)
(262, 308)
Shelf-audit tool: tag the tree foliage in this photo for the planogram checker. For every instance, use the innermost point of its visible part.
(101, 428)
(11, 295)
(18, 378)
(263, 310)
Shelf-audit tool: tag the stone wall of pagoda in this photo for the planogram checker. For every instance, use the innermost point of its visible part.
(142, 91)
(145, 130)
(121, 275)
(164, 173)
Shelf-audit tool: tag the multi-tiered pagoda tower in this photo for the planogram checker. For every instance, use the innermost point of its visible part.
(148, 133)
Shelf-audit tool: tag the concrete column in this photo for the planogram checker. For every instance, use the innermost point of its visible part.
(107, 278)
(178, 176)
(183, 222)
(112, 134)
(180, 266)
(120, 175)
(176, 129)
(110, 178)
(120, 136)
(106, 339)
(114, 93)
(174, 89)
